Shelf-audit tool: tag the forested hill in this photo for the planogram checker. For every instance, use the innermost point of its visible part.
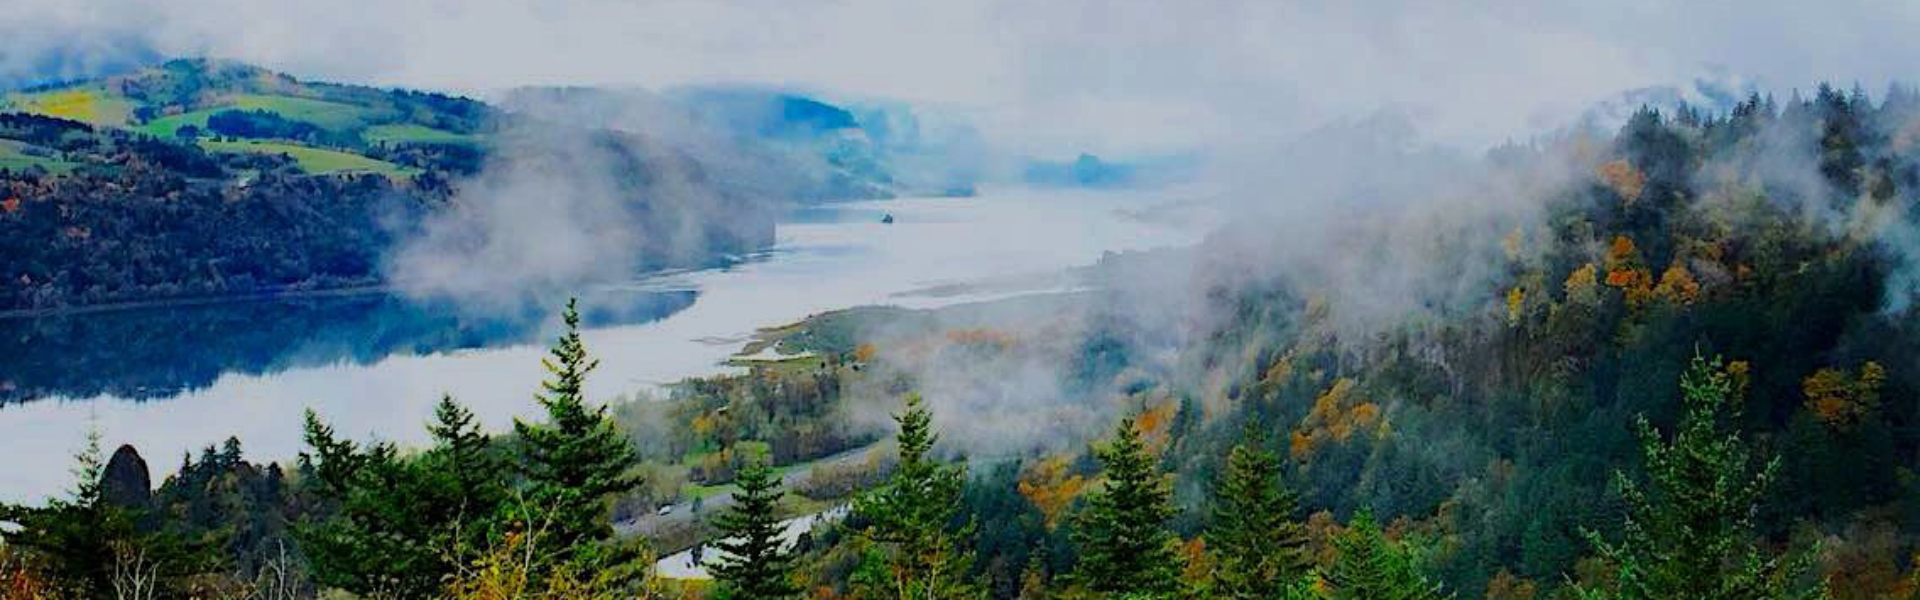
(1686, 371)
(198, 178)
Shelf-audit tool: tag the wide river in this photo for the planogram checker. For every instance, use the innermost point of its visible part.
(172, 380)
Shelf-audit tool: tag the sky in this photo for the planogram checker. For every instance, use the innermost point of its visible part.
(1047, 77)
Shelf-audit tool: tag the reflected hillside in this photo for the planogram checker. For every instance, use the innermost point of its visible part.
(143, 354)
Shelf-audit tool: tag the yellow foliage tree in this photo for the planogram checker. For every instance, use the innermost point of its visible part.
(1336, 415)
(1280, 371)
(1677, 285)
(1583, 286)
(1840, 398)
(508, 572)
(1155, 424)
(1516, 299)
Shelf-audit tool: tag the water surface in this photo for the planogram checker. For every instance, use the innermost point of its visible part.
(170, 380)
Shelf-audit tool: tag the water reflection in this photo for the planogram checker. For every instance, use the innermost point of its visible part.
(374, 366)
(155, 353)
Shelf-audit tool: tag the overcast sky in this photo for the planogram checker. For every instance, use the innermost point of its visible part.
(1048, 75)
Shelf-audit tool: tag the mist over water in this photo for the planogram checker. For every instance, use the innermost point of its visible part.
(829, 258)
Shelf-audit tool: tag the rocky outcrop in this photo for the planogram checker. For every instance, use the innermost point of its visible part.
(126, 481)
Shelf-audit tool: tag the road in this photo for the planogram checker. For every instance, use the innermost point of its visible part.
(679, 529)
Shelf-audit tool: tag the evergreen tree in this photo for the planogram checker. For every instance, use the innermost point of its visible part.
(910, 515)
(1690, 532)
(1033, 579)
(753, 563)
(1261, 549)
(469, 488)
(1122, 535)
(73, 536)
(1368, 566)
(577, 457)
(464, 448)
(379, 532)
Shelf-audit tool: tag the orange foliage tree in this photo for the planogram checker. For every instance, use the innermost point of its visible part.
(19, 580)
(1840, 398)
(1051, 487)
(1623, 179)
(1336, 415)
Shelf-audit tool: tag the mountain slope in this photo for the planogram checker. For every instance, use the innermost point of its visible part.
(204, 178)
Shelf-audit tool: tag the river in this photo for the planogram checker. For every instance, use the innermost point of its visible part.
(171, 380)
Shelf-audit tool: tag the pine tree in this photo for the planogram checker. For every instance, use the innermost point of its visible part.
(578, 457)
(1690, 532)
(378, 533)
(1125, 545)
(910, 515)
(73, 535)
(753, 563)
(1261, 549)
(469, 488)
(1368, 566)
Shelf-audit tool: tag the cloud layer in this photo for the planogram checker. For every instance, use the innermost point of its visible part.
(1046, 77)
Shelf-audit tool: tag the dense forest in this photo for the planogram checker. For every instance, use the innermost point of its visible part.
(1693, 377)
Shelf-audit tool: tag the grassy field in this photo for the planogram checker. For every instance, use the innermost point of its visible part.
(89, 104)
(13, 158)
(415, 133)
(327, 115)
(694, 490)
(783, 365)
(314, 160)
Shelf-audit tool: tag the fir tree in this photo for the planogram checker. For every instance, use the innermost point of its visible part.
(753, 563)
(1690, 532)
(378, 533)
(1368, 566)
(1125, 545)
(577, 457)
(910, 515)
(73, 535)
(468, 488)
(1261, 549)
(464, 449)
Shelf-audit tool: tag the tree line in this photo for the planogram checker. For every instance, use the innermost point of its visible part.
(474, 516)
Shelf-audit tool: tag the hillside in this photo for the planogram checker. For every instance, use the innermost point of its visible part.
(1666, 350)
(205, 178)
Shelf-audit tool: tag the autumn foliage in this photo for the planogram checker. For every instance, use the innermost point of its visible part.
(1623, 179)
(1337, 414)
(1841, 398)
(20, 581)
(1051, 486)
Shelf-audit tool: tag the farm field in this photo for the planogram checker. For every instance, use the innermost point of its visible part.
(395, 133)
(328, 115)
(91, 104)
(314, 160)
(14, 157)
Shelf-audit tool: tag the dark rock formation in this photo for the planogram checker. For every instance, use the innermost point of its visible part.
(126, 481)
